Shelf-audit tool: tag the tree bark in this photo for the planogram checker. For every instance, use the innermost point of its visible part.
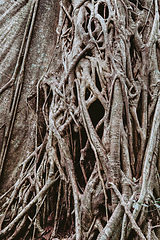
(80, 119)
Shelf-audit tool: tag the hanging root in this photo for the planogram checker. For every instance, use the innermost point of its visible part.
(95, 174)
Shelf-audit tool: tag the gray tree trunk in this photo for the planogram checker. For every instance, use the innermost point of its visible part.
(80, 119)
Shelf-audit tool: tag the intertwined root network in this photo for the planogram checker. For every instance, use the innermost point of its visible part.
(95, 172)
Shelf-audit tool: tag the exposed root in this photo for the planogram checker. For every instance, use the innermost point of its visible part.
(102, 113)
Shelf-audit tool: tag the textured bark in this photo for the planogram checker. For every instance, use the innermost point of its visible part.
(80, 119)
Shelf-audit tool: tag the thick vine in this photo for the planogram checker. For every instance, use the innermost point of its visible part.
(95, 172)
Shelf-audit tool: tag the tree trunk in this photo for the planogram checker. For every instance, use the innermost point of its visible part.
(80, 119)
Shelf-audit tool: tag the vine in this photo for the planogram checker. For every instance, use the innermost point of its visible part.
(95, 173)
